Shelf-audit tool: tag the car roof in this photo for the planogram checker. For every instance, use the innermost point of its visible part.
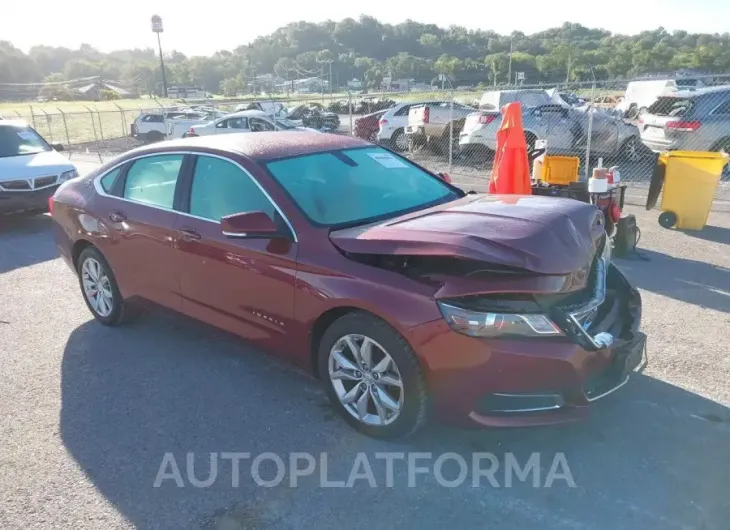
(13, 123)
(701, 91)
(248, 114)
(259, 146)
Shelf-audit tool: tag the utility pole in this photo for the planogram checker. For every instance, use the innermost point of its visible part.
(323, 62)
(509, 68)
(157, 28)
(567, 75)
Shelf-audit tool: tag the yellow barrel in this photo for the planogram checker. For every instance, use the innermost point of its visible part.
(560, 170)
(690, 181)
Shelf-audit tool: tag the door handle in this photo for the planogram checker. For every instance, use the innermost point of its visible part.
(188, 235)
(117, 217)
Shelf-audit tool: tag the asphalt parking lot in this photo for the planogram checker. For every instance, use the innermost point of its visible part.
(87, 414)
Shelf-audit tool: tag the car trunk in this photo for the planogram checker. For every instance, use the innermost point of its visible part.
(667, 118)
(480, 120)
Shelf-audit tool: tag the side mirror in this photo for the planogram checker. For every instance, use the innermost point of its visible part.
(57, 147)
(249, 225)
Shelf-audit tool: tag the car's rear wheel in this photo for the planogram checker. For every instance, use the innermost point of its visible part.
(399, 140)
(723, 146)
(154, 136)
(372, 377)
(631, 150)
(100, 289)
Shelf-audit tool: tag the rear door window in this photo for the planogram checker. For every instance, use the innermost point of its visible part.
(723, 108)
(152, 180)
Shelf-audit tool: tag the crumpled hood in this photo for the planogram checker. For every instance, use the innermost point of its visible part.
(30, 166)
(543, 235)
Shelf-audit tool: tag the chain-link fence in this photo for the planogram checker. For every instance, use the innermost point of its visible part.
(617, 123)
(613, 123)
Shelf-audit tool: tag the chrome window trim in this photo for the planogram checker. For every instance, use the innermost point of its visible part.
(100, 190)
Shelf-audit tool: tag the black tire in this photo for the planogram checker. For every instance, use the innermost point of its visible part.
(120, 311)
(723, 146)
(668, 219)
(154, 136)
(530, 140)
(414, 411)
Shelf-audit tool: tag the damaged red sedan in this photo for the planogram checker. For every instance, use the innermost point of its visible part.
(405, 295)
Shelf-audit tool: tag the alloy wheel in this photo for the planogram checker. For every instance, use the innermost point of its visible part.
(97, 287)
(400, 141)
(366, 380)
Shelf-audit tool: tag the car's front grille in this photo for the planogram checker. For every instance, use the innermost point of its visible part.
(15, 185)
(37, 183)
(42, 182)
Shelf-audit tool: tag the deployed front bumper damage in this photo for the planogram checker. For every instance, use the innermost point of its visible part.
(526, 382)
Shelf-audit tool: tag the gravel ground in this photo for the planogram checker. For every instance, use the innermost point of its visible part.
(87, 414)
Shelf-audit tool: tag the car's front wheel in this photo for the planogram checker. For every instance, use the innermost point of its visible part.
(100, 289)
(372, 377)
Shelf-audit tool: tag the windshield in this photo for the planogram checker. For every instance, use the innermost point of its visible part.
(285, 124)
(18, 141)
(358, 186)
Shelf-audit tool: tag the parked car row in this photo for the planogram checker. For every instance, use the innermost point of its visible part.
(547, 116)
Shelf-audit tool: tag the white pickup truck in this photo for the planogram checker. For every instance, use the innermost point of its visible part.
(431, 123)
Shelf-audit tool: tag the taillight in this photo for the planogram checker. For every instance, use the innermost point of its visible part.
(486, 119)
(383, 122)
(192, 130)
(50, 204)
(426, 114)
(446, 177)
(683, 126)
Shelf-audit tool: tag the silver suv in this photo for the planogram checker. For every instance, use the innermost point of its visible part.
(697, 120)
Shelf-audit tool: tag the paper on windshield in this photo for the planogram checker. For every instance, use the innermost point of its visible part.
(387, 160)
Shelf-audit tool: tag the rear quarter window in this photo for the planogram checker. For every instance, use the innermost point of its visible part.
(107, 181)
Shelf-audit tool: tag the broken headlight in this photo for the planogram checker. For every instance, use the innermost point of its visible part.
(481, 324)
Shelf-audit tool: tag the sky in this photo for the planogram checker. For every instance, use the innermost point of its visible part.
(201, 28)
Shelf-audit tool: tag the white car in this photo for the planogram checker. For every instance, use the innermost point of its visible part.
(151, 126)
(393, 125)
(640, 95)
(240, 122)
(30, 169)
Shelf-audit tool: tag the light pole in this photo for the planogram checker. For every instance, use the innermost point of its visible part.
(157, 28)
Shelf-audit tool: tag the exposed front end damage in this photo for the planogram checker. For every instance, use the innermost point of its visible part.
(537, 322)
(505, 380)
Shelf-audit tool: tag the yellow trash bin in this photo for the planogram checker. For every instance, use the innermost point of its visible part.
(690, 180)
